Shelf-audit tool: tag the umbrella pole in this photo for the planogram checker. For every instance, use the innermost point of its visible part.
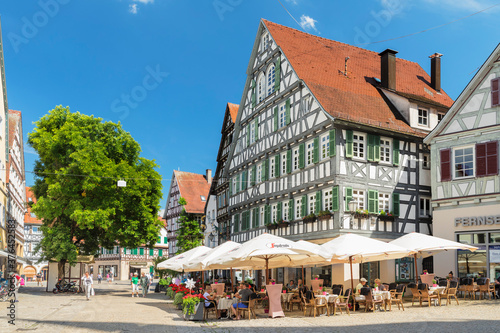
(267, 270)
(303, 277)
(416, 272)
(352, 286)
(203, 279)
(232, 278)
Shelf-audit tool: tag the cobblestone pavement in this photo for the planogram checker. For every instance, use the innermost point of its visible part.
(113, 309)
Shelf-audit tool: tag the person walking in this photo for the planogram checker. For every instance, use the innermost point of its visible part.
(144, 284)
(135, 285)
(88, 283)
(99, 278)
(38, 279)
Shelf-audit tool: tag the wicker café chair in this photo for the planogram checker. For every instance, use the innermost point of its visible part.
(206, 311)
(343, 301)
(295, 300)
(371, 301)
(250, 309)
(397, 296)
(485, 288)
(451, 292)
(423, 288)
(415, 293)
(365, 291)
(392, 286)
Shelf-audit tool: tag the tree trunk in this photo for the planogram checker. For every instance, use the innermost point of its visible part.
(60, 268)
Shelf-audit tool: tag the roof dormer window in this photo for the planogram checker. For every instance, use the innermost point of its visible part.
(423, 117)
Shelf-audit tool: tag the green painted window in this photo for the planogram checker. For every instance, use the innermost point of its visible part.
(151, 252)
(318, 202)
(160, 253)
(165, 240)
(348, 197)
(302, 150)
(141, 251)
(254, 97)
(289, 161)
(332, 142)
(395, 152)
(290, 210)
(277, 72)
(316, 150)
(395, 204)
(288, 118)
(373, 148)
(304, 205)
(335, 199)
(276, 118)
(372, 201)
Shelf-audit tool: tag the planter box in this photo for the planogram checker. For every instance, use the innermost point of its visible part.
(179, 306)
(361, 216)
(386, 217)
(325, 217)
(272, 226)
(198, 313)
(283, 224)
(309, 219)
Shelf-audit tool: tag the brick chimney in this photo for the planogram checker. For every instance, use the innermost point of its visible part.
(208, 175)
(388, 68)
(436, 71)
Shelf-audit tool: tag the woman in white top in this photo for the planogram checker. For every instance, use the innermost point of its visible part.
(87, 284)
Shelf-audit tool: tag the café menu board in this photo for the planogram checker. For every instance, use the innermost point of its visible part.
(495, 253)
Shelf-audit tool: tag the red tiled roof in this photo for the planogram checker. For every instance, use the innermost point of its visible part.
(320, 63)
(28, 219)
(164, 221)
(233, 110)
(191, 187)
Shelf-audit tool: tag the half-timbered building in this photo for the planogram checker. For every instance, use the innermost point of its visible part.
(465, 176)
(192, 187)
(329, 139)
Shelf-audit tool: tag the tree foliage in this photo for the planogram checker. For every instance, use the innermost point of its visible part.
(80, 160)
(189, 234)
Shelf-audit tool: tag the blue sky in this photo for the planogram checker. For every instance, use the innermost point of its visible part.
(180, 62)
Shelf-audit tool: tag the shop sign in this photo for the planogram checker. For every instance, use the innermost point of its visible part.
(473, 221)
(495, 253)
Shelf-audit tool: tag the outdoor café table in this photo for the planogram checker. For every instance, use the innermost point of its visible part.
(274, 292)
(225, 303)
(384, 295)
(435, 291)
(329, 298)
(286, 298)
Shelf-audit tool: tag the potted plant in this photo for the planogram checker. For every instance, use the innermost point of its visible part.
(283, 223)
(384, 216)
(324, 215)
(309, 218)
(361, 214)
(272, 226)
(192, 306)
(178, 300)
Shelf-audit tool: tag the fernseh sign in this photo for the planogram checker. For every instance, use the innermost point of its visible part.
(473, 221)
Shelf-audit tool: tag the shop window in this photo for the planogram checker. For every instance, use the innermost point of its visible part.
(494, 237)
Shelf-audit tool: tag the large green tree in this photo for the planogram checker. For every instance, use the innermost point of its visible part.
(81, 158)
(189, 234)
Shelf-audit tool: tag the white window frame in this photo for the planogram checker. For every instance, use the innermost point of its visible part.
(295, 159)
(454, 164)
(440, 117)
(426, 161)
(298, 208)
(359, 146)
(427, 207)
(282, 115)
(328, 199)
(385, 150)
(271, 78)
(423, 116)
(252, 132)
(262, 215)
(360, 197)
(258, 176)
(274, 213)
(325, 146)
(272, 168)
(311, 203)
(309, 153)
(384, 202)
(266, 41)
(284, 210)
(283, 163)
(261, 88)
(250, 171)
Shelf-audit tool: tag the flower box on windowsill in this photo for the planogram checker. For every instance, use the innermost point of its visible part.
(283, 224)
(272, 226)
(309, 219)
(386, 217)
(325, 217)
(361, 216)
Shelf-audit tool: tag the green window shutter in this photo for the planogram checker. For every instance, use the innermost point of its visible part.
(288, 118)
(165, 240)
(395, 204)
(124, 250)
(267, 214)
(372, 201)
(335, 199)
(304, 205)
(256, 129)
(238, 177)
(277, 72)
(277, 165)
(332, 142)
(348, 143)
(376, 148)
(348, 197)
(248, 135)
(243, 180)
(395, 152)
(254, 174)
(289, 161)
(236, 223)
(243, 221)
(371, 148)
(160, 253)
(248, 220)
(316, 150)
(230, 186)
(255, 213)
(279, 211)
(318, 202)
(254, 97)
(302, 151)
(151, 252)
(265, 170)
(276, 118)
(291, 215)
(141, 251)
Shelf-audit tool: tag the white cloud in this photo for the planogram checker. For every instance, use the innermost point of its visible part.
(144, 1)
(132, 8)
(468, 5)
(307, 22)
(293, 2)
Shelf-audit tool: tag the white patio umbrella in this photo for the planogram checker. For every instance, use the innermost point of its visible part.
(178, 262)
(425, 245)
(350, 248)
(268, 251)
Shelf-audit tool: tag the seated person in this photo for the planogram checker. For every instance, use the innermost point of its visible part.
(361, 284)
(244, 296)
(291, 285)
(299, 283)
(497, 286)
(379, 285)
(451, 277)
(210, 299)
